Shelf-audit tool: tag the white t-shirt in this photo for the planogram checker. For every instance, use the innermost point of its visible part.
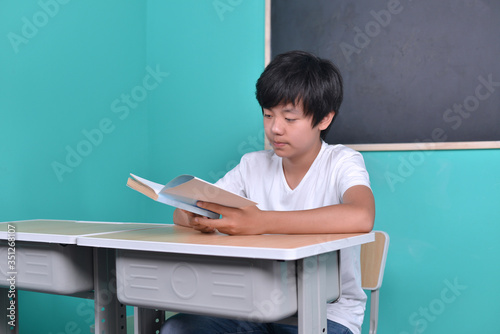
(260, 177)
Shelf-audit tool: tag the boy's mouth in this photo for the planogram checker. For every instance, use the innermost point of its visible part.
(279, 144)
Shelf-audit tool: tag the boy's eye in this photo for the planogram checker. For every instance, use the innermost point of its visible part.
(290, 119)
(267, 116)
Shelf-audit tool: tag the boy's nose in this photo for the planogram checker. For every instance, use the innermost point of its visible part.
(277, 127)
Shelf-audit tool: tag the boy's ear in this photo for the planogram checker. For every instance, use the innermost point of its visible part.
(325, 122)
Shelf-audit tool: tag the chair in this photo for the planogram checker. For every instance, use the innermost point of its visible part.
(373, 257)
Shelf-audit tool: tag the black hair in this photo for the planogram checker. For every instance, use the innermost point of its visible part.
(300, 77)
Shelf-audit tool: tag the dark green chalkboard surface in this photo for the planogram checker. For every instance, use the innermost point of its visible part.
(414, 70)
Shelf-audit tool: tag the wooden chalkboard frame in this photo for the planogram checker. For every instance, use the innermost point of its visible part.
(416, 146)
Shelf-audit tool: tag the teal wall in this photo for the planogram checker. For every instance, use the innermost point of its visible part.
(441, 209)
(80, 109)
(72, 74)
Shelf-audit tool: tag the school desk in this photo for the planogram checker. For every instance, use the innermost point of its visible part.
(45, 258)
(263, 277)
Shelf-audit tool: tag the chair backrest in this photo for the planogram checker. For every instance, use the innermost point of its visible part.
(373, 257)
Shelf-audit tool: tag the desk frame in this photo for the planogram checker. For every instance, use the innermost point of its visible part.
(110, 314)
(309, 256)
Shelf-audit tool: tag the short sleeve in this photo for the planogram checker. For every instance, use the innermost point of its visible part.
(352, 172)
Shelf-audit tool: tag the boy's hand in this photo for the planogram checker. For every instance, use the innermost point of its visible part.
(246, 220)
(190, 219)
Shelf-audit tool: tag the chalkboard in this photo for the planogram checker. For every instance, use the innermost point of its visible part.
(414, 71)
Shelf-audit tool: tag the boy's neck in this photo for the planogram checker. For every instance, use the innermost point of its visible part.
(296, 168)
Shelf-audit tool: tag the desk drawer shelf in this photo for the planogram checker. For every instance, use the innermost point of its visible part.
(50, 268)
(250, 289)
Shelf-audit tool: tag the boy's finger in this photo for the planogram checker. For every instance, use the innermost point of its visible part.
(204, 229)
(204, 224)
(189, 213)
(186, 212)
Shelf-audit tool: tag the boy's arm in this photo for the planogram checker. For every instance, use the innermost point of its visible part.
(355, 214)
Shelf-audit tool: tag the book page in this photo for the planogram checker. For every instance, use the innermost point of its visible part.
(153, 185)
(200, 190)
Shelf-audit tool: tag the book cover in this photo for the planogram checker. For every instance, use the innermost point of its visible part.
(185, 191)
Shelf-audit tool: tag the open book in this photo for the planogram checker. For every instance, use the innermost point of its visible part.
(184, 191)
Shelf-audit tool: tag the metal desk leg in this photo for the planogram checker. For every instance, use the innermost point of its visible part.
(147, 321)
(311, 289)
(9, 318)
(110, 315)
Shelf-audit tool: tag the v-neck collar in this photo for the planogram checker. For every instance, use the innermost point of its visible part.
(282, 172)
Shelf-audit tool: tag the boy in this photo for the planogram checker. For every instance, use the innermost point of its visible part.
(302, 185)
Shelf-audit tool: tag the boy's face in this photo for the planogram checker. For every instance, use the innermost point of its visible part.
(290, 132)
